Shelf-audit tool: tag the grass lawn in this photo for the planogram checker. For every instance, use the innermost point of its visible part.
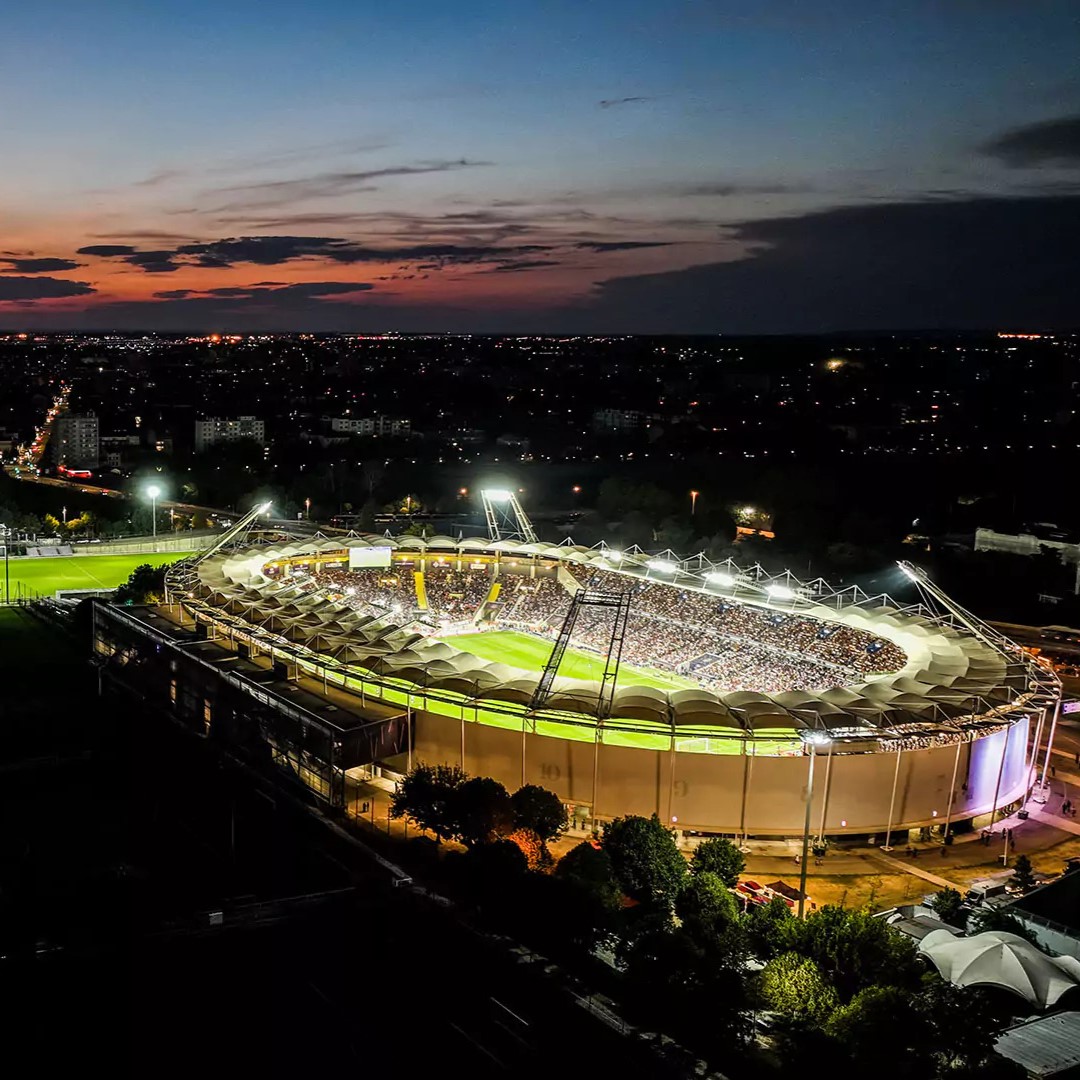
(44, 576)
(531, 654)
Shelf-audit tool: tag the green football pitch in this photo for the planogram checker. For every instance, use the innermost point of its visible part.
(531, 654)
(42, 577)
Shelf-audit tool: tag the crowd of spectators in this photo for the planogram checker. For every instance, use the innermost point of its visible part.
(538, 604)
(721, 643)
(716, 642)
(371, 592)
(454, 595)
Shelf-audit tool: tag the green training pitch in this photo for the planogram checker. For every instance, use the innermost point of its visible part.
(531, 654)
(43, 577)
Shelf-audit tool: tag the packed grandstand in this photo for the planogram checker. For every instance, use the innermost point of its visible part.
(729, 677)
(716, 642)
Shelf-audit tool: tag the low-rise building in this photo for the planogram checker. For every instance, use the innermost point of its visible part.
(212, 431)
(372, 425)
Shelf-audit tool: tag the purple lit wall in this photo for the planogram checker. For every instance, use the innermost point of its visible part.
(985, 761)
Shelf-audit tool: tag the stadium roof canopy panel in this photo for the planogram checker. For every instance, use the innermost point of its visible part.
(948, 681)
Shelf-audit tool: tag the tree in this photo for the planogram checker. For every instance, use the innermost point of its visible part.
(145, 585)
(494, 865)
(887, 1036)
(426, 796)
(1023, 875)
(589, 868)
(540, 810)
(591, 894)
(793, 985)
(646, 860)
(51, 523)
(537, 856)
(482, 811)
(765, 926)
(705, 901)
(992, 918)
(962, 1026)
(366, 520)
(854, 950)
(690, 988)
(720, 857)
(947, 905)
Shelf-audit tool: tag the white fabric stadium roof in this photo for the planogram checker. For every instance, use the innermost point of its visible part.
(948, 674)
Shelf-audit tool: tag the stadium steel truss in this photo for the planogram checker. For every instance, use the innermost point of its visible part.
(943, 740)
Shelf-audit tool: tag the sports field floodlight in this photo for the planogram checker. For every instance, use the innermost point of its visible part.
(613, 556)
(662, 566)
(153, 490)
(780, 592)
(718, 577)
(506, 520)
(911, 572)
(265, 508)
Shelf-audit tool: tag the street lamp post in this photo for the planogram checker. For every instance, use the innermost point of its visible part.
(154, 491)
(816, 739)
(693, 502)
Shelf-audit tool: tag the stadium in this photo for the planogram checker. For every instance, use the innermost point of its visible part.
(631, 682)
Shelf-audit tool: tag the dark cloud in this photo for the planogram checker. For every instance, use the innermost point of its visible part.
(728, 189)
(276, 290)
(106, 251)
(276, 250)
(1050, 143)
(40, 288)
(619, 245)
(153, 262)
(975, 263)
(513, 268)
(40, 266)
(610, 103)
(330, 184)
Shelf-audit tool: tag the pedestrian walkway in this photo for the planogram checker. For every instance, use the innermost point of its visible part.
(917, 871)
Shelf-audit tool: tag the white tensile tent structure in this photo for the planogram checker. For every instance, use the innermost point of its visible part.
(1007, 961)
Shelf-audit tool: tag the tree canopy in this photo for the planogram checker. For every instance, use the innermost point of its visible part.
(793, 985)
(540, 810)
(482, 811)
(853, 950)
(720, 857)
(646, 859)
(947, 905)
(704, 898)
(426, 795)
(145, 585)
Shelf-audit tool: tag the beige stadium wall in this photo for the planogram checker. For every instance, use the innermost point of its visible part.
(707, 791)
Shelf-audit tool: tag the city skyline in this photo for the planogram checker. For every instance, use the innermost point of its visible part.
(616, 169)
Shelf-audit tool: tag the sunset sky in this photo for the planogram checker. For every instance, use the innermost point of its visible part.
(552, 166)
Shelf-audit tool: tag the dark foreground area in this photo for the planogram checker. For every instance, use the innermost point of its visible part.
(124, 838)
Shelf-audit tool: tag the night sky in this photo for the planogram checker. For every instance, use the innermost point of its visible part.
(553, 166)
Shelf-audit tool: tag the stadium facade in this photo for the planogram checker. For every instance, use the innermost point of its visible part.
(937, 739)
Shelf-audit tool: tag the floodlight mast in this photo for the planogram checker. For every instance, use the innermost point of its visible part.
(506, 520)
(943, 602)
(240, 529)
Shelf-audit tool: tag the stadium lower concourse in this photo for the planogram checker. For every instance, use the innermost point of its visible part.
(702, 694)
